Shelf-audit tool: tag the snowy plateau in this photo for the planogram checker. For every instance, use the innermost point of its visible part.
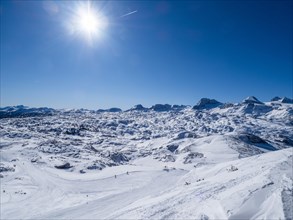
(209, 161)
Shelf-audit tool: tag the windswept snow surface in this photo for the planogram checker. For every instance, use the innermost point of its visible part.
(231, 161)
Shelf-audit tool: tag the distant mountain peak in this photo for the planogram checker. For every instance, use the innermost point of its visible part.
(110, 110)
(206, 103)
(24, 111)
(138, 107)
(282, 100)
(161, 107)
(252, 100)
(287, 100)
(276, 98)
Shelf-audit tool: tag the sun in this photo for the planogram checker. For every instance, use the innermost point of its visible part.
(88, 22)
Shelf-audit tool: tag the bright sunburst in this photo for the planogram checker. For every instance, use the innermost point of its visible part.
(88, 22)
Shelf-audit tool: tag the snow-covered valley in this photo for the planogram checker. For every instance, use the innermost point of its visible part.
(210, 161)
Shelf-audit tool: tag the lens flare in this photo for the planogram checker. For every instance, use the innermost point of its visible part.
(88, 22)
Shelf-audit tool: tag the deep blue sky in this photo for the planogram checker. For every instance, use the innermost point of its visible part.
(167, 52)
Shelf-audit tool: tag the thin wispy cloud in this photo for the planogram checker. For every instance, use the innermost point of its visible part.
(129, 13)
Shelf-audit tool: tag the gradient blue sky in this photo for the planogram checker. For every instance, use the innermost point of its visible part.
(172, 52)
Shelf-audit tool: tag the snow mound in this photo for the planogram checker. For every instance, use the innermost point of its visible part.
(256, 109)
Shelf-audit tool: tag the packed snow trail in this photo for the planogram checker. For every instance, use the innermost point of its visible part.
(214, 192)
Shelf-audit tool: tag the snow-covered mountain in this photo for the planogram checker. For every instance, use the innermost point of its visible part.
(209, 161)
(24, 111)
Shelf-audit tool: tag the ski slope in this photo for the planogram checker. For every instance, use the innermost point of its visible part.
(261, 188)
(210, 161)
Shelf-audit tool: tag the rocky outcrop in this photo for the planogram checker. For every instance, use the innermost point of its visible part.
(172, 147)
(206, 103)
(63, 166)
(287, 100)
(191, 157)
(109, 110)
(161, 107)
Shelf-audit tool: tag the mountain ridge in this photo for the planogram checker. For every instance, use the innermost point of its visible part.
(204, 103)
(164, 161)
